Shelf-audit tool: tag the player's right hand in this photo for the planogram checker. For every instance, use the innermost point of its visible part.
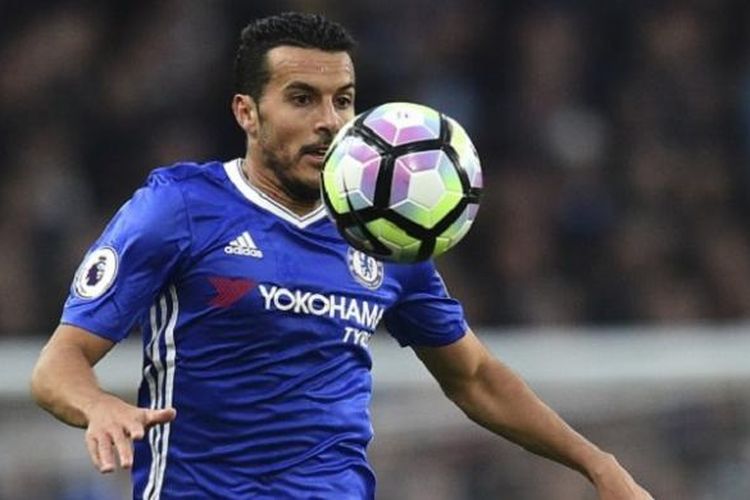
(113, 424)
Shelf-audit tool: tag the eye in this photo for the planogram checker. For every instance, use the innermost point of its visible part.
(344, 101)
(301, 99)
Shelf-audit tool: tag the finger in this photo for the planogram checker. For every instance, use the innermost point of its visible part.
(136, 432)
(106, 454)
(91, 444)
(161, 416)
(124, 449)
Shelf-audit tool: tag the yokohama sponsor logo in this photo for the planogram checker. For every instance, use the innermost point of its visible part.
(333, 306)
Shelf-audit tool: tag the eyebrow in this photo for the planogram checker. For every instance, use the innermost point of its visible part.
(309, 88)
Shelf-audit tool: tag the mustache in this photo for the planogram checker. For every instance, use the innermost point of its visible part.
(313, 148)
(322, 143)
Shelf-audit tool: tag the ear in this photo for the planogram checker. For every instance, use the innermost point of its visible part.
(246, 113)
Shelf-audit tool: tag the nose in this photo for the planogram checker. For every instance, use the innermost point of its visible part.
(329, 119)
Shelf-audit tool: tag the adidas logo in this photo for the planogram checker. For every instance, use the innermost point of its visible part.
(243, 245)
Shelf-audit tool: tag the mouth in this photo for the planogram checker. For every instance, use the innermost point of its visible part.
(317, 152)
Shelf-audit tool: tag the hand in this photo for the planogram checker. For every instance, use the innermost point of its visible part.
(613, 482)
(113, 425)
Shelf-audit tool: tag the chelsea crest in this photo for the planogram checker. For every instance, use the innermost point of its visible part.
(368, 271)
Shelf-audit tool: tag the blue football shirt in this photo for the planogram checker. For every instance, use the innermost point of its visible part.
(255, 326)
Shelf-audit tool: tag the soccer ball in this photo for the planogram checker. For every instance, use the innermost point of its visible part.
(402, 182)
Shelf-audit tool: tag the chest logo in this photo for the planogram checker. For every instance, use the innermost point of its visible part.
(244, 245)
(229, 290)
(367, 270)
(97, 273)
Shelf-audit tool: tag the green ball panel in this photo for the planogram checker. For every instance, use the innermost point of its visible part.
(467, 153)
(456, 231)
(448, 202)
(442, 245)
(450, 178)
(414, 212)
(333, 185)
(403, 246)
(429, 218)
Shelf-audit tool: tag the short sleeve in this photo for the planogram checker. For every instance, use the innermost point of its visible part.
(426, 315)
(131, 262)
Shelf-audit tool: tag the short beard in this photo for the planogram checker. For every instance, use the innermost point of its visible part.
(296, 189)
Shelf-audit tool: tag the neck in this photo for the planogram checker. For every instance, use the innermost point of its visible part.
(273, 188)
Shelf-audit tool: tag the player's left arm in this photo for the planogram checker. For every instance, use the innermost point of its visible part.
(493, 396)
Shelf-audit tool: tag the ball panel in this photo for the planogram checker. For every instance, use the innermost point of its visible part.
(415, 133)
(467, 154)
(404, 123)
(458, 229)
(399, 183)
(426, 189)
(403, 246)
(442, 245)
(358, 201)
(383, 228)
(369, 180)
(450, 177)
(446, 204)
(414, 212)
(422, 160)
(333, 187)
(407, 165)
(351, 171)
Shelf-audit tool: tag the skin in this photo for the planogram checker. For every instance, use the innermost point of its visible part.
(493, 396)
(309, 97)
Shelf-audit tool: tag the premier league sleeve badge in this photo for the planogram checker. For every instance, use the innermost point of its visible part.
(97, 273)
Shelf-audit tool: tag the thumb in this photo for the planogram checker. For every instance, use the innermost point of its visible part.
(160, 416)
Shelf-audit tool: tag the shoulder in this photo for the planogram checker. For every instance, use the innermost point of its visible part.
(163, 200)
(184, 173)
(182, 184)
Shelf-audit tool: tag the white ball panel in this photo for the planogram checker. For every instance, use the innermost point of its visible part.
(426, 188)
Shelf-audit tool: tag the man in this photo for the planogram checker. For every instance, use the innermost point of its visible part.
(254, 385)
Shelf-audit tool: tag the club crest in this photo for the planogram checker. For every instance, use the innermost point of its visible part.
(97, 273)
(367, 270)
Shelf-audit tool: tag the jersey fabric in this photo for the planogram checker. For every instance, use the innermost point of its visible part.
(255, 325)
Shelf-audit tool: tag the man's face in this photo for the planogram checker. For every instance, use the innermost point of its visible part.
(309, 96)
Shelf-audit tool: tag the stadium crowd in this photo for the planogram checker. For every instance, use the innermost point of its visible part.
(613, 137)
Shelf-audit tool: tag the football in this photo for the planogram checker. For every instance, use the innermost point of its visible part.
(402, 182)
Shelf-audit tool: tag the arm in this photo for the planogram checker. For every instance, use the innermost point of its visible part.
(63, 383)
(496, 398)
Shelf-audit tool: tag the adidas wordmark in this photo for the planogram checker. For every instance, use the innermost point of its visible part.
(243, 245)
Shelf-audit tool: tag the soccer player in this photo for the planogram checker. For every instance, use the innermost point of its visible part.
(255, 313)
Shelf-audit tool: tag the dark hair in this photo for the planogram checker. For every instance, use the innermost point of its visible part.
(290, 28)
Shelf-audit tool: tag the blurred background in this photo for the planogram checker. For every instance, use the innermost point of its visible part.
(614, 137)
